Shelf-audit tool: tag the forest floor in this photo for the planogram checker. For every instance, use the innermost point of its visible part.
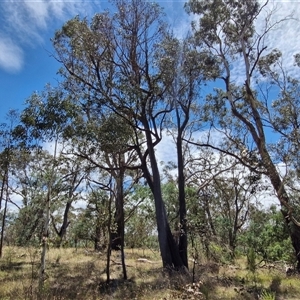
(81, 274)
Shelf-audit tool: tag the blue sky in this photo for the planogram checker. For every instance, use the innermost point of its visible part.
(26, 28)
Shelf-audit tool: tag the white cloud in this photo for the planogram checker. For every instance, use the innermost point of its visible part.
(16, 201)
(177, 18)
(283, 36)
(28, 19)
(26, 22)
(11, 55)
(165, 150)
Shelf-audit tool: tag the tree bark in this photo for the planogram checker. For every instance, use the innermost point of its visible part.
(117, 236)
(109, 236)
(168, 248)
(4, 182)
(182, 204)
(286, 209)
(46, 224)
(4, 214)
(63, 229)
(97, 246)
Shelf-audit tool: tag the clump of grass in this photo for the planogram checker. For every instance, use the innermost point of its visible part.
(267, 295)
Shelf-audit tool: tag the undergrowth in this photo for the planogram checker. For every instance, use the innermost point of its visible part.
(81, 274)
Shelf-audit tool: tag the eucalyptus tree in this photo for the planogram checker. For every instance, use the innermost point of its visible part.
(228, 200)
(92, 141)
(112, 144)
(111, 64)
(44, 120)
(208, 175)
(6, 155)
(104, 144)
(28, 185)
(72, 173)
(140, 218)
(181, 68)
(227, 33)
(92, 221)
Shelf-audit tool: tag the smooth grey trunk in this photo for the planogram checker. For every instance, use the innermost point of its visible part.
(109, 238)
(46, 225)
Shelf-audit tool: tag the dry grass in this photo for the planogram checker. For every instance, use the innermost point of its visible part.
(81, 275)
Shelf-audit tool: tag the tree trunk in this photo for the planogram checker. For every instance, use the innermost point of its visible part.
(208, 213)
(2, 187)
(116, 233)
(258, 135)
(4, 182)
(63, 229)
(282, 195)
(117, 236)
(44, 243)
(4, 217)
(120, 220)
(45, 234)
(109, 237)
(168, 248)
(182, 205)
(295, 237)
(97, 246)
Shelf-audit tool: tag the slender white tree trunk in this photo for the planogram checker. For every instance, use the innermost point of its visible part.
(42, 275)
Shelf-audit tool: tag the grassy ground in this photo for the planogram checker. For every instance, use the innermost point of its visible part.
(81, 275)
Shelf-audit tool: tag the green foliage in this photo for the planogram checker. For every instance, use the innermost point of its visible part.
(115, 134)
(46, 115)
(91, 222)
(140, 219)
(268, 235)
(266, 295)
(251, 260)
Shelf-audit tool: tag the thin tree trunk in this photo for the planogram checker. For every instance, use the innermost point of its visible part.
(63, 229)
(4, 215)
(97, 238)
(2, 187)
(46, 226)
(208, 213)
(120, 196)
(109, 238)
(117, 236)
(45, 241)
(182, 121)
